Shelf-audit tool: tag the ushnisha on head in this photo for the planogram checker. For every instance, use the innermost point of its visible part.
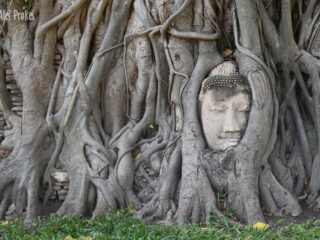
(225, 100)
(225, 75)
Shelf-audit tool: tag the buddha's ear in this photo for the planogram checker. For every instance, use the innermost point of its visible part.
(258, 83)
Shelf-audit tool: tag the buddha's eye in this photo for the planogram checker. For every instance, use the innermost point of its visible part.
(244, 109)
(218, 109)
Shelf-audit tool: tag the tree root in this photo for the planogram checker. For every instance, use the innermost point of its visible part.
(278, 199)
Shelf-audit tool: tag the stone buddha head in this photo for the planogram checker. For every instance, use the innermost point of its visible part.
(225, 103)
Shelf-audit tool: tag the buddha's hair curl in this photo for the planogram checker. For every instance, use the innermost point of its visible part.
(225, 75)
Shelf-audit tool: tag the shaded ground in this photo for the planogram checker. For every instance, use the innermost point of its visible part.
(307, 214)
(51, 207)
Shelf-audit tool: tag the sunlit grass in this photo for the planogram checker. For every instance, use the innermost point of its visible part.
(121, 225)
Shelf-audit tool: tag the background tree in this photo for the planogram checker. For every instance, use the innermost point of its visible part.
(121, 112)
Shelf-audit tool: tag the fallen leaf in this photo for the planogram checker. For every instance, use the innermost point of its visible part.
(261, 226)
(138, 156)
(4, 223)
(69, 238)
(227, 52)
(269, 214)
(85, 238)
(303, 197)
(295, 214)
(131, 209)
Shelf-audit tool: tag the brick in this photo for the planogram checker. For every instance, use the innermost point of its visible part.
(62, 197)
(16, 99)
(63, 192)
(56, 187)
(53, 197)
(58, 183)
(12, 86)
(17, 109)
(17, 103)
(15, 91)
(57, 57)
(10, 78)
(9, 71)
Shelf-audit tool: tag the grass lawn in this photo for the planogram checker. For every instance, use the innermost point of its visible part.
(120, 225)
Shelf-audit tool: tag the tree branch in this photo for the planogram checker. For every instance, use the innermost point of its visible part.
(306, 21)
(286, 28)
(43, 28)
(194, 35)
(113, 36)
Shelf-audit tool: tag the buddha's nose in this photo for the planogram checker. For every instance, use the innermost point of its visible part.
(231, 124)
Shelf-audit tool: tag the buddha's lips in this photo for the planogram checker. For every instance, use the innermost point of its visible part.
(232, 141)
(229, 138)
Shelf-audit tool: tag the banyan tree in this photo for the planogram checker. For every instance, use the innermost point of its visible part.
(163, 106)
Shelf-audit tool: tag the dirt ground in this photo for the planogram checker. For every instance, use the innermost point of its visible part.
(307, 214)
(51, 207)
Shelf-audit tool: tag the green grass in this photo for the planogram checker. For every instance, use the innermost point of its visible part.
(120, 225)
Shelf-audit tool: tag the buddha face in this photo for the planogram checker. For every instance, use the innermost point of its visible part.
(224, 115)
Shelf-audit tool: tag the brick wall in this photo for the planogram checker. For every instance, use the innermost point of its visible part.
(15, 96)
(59, 189)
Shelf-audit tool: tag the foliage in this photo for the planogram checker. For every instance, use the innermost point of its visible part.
(121, 225)
(121, 112)
(28, 5)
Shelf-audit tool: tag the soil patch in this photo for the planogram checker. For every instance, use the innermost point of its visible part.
(307, 214)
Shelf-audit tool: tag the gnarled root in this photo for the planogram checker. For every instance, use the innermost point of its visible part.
(278, 199)
(12, 135)
(21, 173)
(162, 205)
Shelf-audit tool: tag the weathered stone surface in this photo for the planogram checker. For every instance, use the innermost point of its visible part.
(225, 104)
(60, 176)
